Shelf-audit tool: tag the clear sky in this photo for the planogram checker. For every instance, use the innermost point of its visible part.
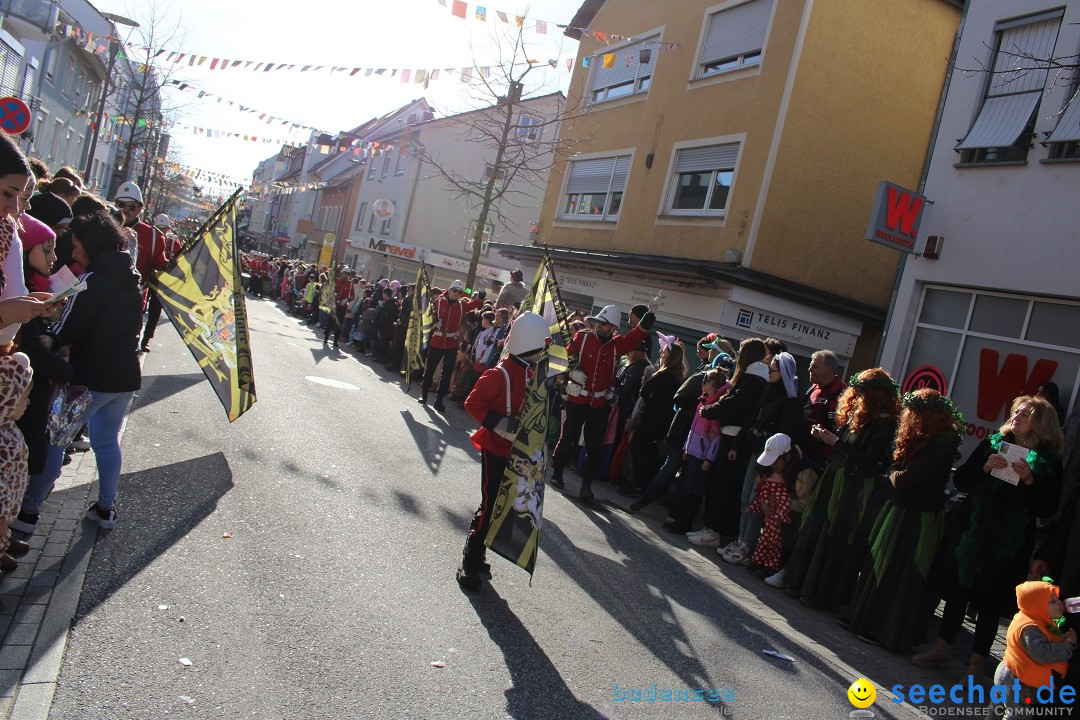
(409, 34)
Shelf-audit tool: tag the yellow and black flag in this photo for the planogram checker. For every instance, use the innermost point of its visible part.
(421, 323)
(201, 293)
(544, 299)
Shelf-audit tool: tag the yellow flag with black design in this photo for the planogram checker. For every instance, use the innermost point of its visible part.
(201, 293)
(421, 323)
(545, 300)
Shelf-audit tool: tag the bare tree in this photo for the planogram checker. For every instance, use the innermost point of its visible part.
(508, 122)
(1010, 64)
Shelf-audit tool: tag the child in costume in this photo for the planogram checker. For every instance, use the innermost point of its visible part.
(15, 377)
(775, 478)
(1037, 651)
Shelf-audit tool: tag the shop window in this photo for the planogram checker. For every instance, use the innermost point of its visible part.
(1001, 316)
(945, 308)
(1054, 324)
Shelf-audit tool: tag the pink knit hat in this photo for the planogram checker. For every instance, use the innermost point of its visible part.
(34, 232)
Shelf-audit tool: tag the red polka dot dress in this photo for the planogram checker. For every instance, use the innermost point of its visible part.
(774, 493)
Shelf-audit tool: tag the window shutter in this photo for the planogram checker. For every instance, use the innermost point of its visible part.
(736, 31)
(627, 65)
(622, 172)
(28, 80)
(706, 159)
(9, 73)
(1016, 86)
(1068, 128)
(590, 176)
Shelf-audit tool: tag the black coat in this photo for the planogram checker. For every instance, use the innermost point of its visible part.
(102, 326)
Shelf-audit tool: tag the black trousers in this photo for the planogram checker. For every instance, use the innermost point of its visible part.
(594, 420)
(446, 356)
(153, 315)
(492, 467)
(334, 327)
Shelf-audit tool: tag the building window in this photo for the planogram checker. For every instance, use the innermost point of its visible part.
(371, 222)
(1005, 125)
(500, 181)
(1065, 140)
(371, 167)
(488, 235)
(10, 62)
(402, 161)
(69, 79)
(385, 228)
(385, 164)
(702, 180)
(735, 37)
(594, 188)
(360, 217)
(529, 128)
(58, 134)
(623, 72)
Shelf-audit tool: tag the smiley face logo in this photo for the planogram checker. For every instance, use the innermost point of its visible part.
(861, 693)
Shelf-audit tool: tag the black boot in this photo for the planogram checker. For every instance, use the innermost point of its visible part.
(586, 490)
(423, 397)
(556, 480)
(469, 577)
(439, 407)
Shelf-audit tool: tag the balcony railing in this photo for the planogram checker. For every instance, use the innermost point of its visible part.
(35, 12)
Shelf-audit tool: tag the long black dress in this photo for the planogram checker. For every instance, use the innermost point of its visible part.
(889, 603)
(829, 548)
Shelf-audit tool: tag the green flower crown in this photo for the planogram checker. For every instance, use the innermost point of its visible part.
(881, 382)
(936, 403)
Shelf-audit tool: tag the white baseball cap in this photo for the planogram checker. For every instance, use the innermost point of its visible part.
(775, 446)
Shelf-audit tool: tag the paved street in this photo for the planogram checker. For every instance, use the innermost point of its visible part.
(302, 560)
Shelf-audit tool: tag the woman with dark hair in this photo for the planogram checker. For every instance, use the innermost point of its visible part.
(16, 306)
(1049, 392)
(735, 411)
(889, 604)
(62, 188)
(102, 324)
(991, 557)
(656, 412)
(828, 552)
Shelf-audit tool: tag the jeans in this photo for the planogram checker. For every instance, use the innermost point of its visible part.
(666, 473)
(103, 419)
(749, 525)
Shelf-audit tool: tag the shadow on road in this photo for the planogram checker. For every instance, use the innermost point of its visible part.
(538, 688)
(160, 387)
(432, 442)
(160, 506)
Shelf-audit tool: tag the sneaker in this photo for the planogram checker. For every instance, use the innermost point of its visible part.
(735, 552)
(105, 519)
(707, 538)
(25, 522)
(81, 444)
(775, 580)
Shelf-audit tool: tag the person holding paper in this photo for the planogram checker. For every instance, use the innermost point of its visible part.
(991, 556)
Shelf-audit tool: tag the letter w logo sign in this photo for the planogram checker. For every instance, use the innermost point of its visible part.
(894, 221)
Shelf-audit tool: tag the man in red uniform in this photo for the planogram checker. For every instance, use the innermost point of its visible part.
(344, 295)
(152, 244)
(589, 391)
(496, 401)
(449, 310)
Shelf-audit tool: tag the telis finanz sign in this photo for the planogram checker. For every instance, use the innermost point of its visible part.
(894, 221)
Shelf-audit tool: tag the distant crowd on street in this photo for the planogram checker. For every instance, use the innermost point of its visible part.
(836, 494)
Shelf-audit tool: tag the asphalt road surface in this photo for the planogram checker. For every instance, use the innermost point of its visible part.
(301, 563)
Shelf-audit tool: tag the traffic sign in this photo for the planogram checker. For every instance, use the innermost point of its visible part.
(14, 115)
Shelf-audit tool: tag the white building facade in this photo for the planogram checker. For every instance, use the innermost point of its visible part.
(998, 313)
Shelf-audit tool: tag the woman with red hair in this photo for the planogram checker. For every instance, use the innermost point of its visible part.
(889, 604)
(829, 549)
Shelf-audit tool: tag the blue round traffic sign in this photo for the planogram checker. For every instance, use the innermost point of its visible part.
(14, 115)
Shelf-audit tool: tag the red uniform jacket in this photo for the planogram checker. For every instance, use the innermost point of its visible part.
(345, 292)
(449, 315)
(487, 402)
(151, 250)
(600, 361)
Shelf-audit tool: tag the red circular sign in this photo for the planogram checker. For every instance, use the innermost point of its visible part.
(926, 376)
(14, 115)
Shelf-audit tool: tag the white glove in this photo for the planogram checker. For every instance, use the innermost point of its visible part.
(578, 376)
(609, 395)
(503, 429)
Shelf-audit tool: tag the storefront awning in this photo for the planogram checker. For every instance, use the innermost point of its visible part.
(698, 272)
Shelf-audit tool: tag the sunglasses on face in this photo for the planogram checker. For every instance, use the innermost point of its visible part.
(129, 207)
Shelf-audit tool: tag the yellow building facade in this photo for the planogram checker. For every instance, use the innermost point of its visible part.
(726, 155)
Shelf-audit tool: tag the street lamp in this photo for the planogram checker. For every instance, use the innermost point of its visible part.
(114, 50)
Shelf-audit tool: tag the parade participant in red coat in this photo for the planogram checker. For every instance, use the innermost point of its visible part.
(496, 402)
(588, 388)
(449, 310)
(151, 247)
